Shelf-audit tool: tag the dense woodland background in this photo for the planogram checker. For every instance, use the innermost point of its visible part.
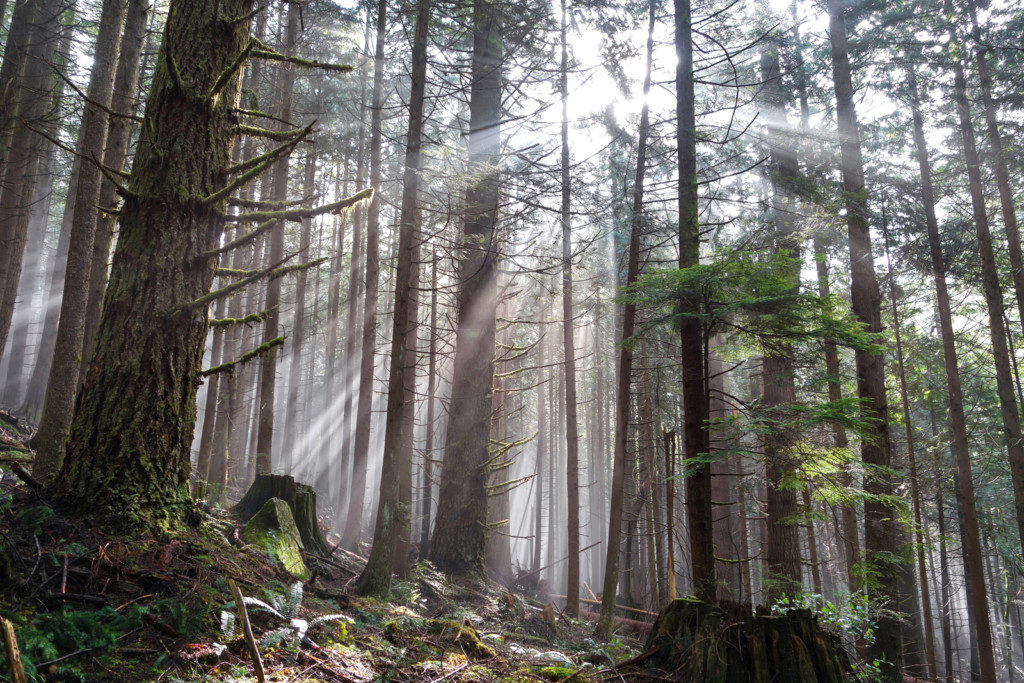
(620, 300)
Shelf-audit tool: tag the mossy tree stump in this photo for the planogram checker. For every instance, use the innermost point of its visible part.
(300, 498)
(698, 641)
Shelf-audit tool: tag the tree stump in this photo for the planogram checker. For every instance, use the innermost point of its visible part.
(300, 498)
(698, 641)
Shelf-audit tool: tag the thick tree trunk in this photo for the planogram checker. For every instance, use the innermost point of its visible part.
(458, 541)
(625, 361)
(55, 423)
(692, 334)
(879, 517)
(361, 443)
(128, 456)
(392, 516)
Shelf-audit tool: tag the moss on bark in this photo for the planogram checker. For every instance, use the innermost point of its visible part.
(698, 641)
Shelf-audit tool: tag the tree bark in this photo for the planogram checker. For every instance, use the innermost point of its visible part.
(572, 458)
(55, 423)
(879, 517)
(428, 447)
(23, 154)
(1007, 206)
(299, 326)
(915, 492)
(275, 252)
(613, 550)
(119, 129)
(392, 516)
(779, 390)
(458, 542)
(1004, 382)
(361, 443)
(128, 456)
(692, 334)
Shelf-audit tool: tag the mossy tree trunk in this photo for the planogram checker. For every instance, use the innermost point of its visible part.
(697, 641)
(128, 456)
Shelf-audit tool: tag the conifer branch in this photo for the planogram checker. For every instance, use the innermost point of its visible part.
(256, 167)
(262, 115)
(265, 204)
(270, 273)
(244, 320)
(268, 133)
(302, 213)
(240, 241)
(265, 52)
(231, 70)
(260, 350)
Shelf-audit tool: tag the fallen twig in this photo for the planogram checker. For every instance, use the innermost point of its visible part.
(250, 640)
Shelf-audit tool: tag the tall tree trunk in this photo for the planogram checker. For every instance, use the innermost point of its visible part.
(361, 443)
(879, 517)
(299, 326)
(847, 509)
(392, 516)
(39, 221)
(915, 493)
(353, 350)
(128, 455)
(55, 423)
(625, 361)
(275, 253)
(692, 333)
(779, 390)
(119, 129)
(541, 465)
(1007, 206)
(24, 151)
(1001, 356)
(572, 458)
(458, 541)
(428, 447)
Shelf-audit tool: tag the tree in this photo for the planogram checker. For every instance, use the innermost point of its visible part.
(361, 443)
(64, 378)
(572, 458)
(879, 522)
(128, 456)
(392, 516)
(457, 545)
(696, 437)
(625, 360)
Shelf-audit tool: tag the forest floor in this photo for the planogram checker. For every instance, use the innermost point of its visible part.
(87, 606)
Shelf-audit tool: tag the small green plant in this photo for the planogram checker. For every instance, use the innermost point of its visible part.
(285, 607)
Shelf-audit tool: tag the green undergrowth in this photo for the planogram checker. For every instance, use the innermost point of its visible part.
(90, 606)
